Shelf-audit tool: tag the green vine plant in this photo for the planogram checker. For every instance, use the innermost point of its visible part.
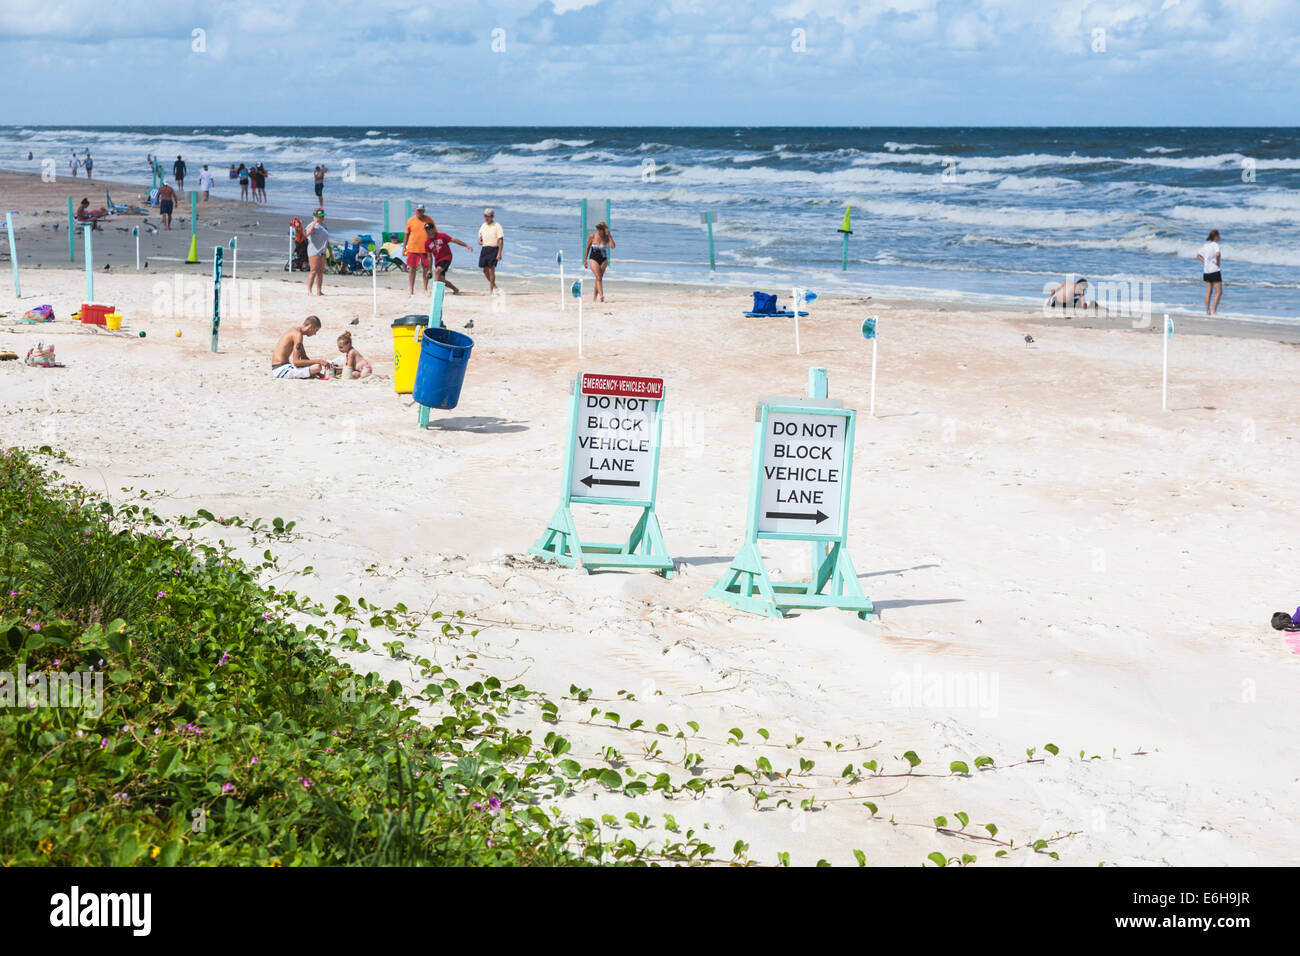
(462, 725)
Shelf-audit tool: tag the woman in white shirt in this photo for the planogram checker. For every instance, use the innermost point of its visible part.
(318, 240)
(1210, 260)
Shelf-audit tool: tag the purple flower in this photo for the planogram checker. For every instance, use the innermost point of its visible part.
(36, 627)
(494, 804)
(252, 762)
(162, 594)
(103, 741)
(227, 787)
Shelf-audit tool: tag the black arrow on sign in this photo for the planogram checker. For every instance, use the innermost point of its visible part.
(818, 517)
(589, 481)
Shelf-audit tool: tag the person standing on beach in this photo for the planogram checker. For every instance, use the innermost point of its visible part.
(89, 164)
(74, 164)
(262, 174)
(243, 182)
(318, 240)
(178, 170)
(205, 182)
(319, 175)
(256, 181)
(596, 255)
(1211, 259)
(440, 250)
(493, 240)
(419, 228)
(166, 200)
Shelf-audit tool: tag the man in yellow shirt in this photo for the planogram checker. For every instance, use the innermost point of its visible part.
(419, 230)
(493, 240)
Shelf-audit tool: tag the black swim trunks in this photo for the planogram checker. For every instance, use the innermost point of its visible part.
(165, 207)
(487, 257)
(444, 265)
(1214, 277)
(320, 188)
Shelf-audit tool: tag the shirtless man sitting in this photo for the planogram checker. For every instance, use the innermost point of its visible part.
(1069, 294)
(289, 357)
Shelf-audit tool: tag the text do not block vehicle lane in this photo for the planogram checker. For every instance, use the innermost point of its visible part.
(613, 447)
(801, 481)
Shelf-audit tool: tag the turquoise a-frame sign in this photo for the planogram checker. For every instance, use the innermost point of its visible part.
(800, 482)
(612, 458)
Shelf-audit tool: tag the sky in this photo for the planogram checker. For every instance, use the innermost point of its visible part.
(653, 62)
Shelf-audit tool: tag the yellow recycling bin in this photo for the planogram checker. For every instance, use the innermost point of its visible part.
(407, 331)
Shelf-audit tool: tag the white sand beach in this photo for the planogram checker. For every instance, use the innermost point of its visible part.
(1054, 559)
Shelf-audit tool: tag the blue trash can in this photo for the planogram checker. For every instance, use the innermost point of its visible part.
(443, 357)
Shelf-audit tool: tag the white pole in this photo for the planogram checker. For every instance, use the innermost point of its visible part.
(579, 325)
(374, 283)
(291, 249)
(563, 292)
(1164, 373)
(136, 232)
(794, 295)
(873, 374)
(234, 248)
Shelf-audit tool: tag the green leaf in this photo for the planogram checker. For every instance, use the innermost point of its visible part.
(964, 818)
(611, 779)
(912, 758)
(570, 769)
(958, 766)
(992, 828)
(871, 806)
(166, 761)
(983, 762)
(860, 857)
(1052, 749)
(937, 858)
(171, 852)
(941, 822)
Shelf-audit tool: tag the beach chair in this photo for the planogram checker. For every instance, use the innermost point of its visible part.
(115, 209)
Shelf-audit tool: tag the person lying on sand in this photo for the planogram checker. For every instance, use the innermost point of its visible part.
(1069, 294)
(289, 357)
(350, 362)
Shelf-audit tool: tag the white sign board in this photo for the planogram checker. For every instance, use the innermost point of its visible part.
(802, 478)
(613, 447)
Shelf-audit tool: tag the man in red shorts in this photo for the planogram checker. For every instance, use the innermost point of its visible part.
(440, 248)
(419, 230)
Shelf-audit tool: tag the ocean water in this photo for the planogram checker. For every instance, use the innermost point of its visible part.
(981, 214)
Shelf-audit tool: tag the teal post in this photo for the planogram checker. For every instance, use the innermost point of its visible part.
(609, 253)
(217, 255)
(582, 241)
(844, 254)
(72, 234)
(194, 215)
(13, 252)
(818, 387)
(90, 266)
(644, 548)
(708, 221)
(386, 229)
(408, 212)
(435, 322)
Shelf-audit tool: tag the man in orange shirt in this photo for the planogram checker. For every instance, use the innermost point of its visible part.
(419, 230)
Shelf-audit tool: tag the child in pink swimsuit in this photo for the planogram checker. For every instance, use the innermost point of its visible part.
(350, 362)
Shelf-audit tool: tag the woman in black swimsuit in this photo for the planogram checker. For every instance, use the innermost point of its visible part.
(596, 255)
